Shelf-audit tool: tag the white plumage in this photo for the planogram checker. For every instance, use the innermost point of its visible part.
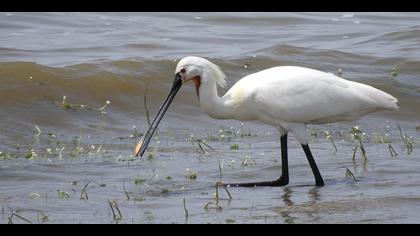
(288, 97)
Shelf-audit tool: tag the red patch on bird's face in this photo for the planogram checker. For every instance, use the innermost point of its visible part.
(197, 82)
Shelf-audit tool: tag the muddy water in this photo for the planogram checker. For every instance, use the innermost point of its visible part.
(48, 144)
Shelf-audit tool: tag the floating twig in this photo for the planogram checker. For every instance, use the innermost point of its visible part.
(83, 194)
(185, 209)
(220, 169)
(350, 174)
(227, 191)
(125, 191)
(145, 105)
(18, 216)
(392, 151)
(114, 206)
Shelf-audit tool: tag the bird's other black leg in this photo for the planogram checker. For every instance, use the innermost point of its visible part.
(283, 180)
(318, 178)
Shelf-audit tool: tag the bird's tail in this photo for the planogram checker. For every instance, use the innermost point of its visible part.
(381, 99)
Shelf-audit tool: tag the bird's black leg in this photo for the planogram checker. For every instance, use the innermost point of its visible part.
(318, 178)
(283, 180)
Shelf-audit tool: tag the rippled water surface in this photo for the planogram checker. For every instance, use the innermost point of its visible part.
(66, 155)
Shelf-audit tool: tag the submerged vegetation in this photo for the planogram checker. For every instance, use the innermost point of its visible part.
(66, 105)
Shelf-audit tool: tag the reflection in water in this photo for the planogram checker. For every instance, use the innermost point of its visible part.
(288, 219)
(315, 197)
(314, 194)
(364, 165)
(310, 207)
(286, 196)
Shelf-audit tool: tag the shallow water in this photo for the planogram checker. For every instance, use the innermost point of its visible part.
(94, 57)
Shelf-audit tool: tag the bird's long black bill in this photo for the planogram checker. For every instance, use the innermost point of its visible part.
(144, 142)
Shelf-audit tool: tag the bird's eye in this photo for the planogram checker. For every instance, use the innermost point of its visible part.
(182, 70)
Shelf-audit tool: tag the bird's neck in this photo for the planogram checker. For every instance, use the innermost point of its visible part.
(215, 106)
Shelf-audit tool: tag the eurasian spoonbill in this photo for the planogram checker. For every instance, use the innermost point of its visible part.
(287, 97)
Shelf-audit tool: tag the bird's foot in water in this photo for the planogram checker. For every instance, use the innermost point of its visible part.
(275, 183)
(319, 183)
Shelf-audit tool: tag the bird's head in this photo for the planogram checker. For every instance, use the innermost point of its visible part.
(201, 72)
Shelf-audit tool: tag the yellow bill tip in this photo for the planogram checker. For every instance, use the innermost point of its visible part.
(138, 147)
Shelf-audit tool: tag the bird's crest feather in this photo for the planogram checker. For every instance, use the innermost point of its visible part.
(208, 67)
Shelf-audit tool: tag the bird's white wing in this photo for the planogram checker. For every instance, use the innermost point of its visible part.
(302, 95)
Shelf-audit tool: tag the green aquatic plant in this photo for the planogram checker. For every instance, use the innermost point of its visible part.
(231, 164)
(65, 105)
(359, 136)
(217, 196)
(34, 195)
(328, 136)
(199, 142)
(77, 143)
(192, 175)
(38, 133)
(139, 181)
(354, 153)
(30, 155)
(151, 156)
(315, 132)
(394, 72)
(71, 106)
(241, 132)
(38, 82)
(62, 195)
(43, 217)
(248, 162)
(407, 140)
(234, 146)
(60, 153)
(229, 133)
(8, 156)
(381, 138)
(409, 144)
(230, 221)
(139, 199)
(218, 184)
(165, 191)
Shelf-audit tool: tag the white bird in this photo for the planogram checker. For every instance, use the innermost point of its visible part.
(287, 97)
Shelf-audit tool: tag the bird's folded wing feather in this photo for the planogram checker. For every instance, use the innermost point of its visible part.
(311, 96)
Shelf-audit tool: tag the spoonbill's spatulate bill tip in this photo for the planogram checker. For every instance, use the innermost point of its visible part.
(138, 148)
(287, 97)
